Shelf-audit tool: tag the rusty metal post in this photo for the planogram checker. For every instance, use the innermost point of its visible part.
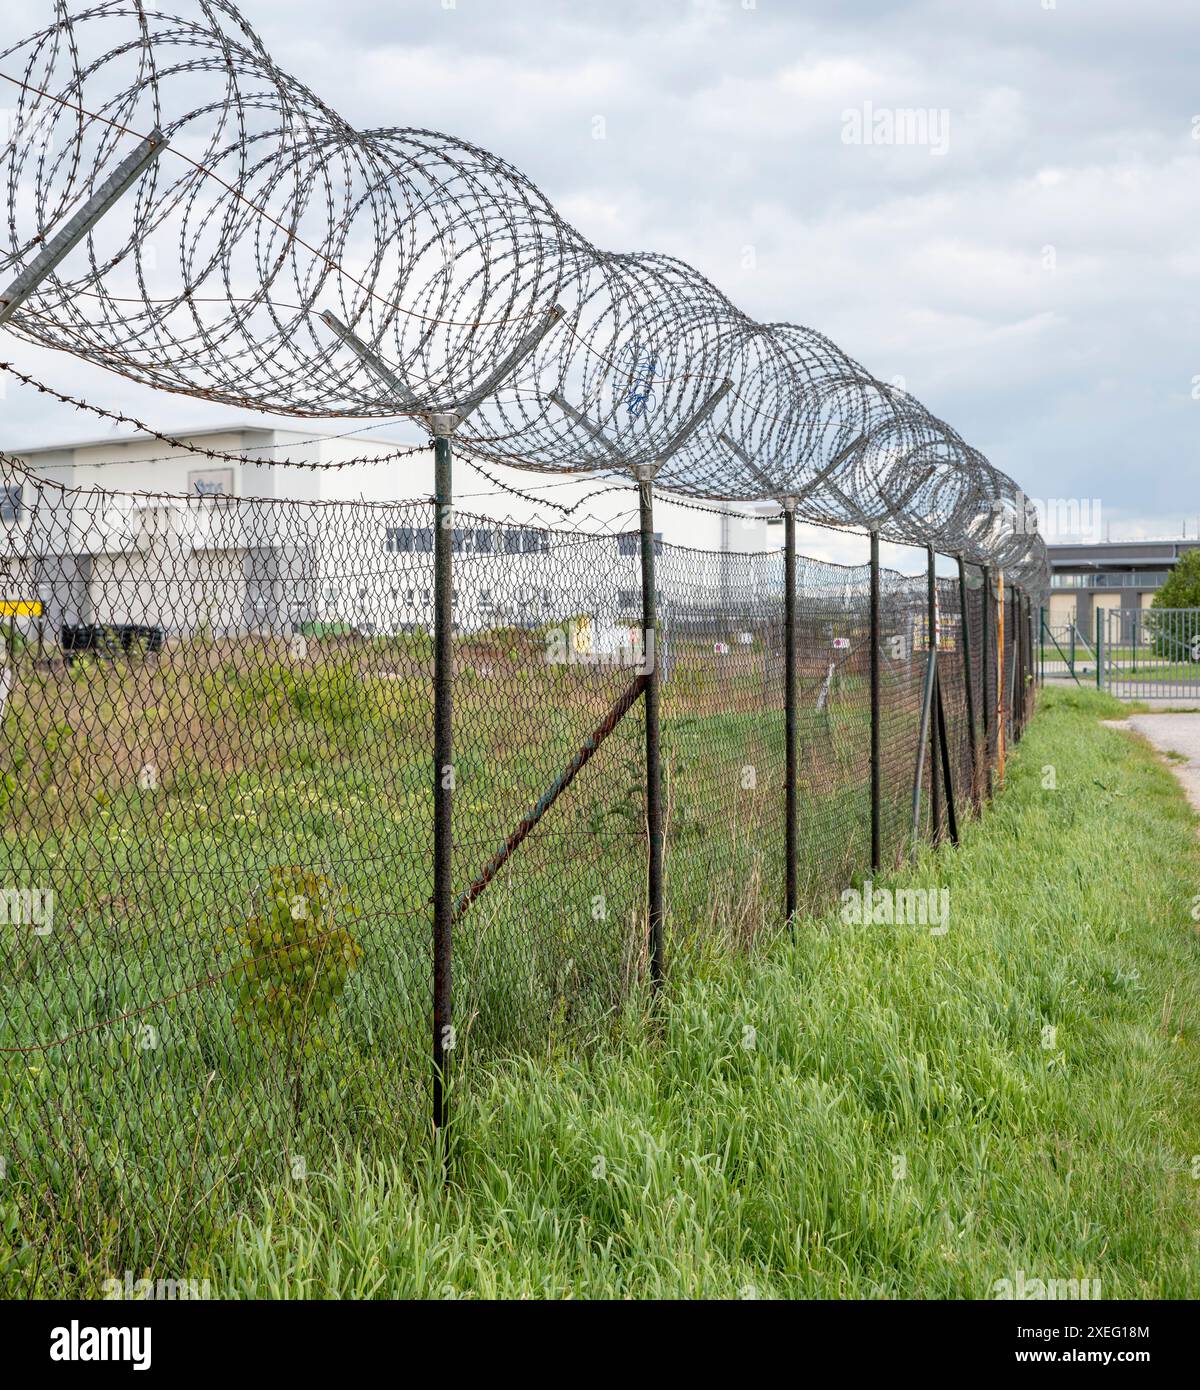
(443, 777)
(654, 827)
(968, 679)
(791, 816)
(876, 770)
(935, 788)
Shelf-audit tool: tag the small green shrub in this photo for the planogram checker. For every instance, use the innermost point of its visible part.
(296, 960)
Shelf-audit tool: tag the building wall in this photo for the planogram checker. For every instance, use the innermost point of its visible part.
(1063, 609)
(1106, 604)
(194, 563)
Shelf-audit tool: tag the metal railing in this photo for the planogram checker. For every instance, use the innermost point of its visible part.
(1149, 653)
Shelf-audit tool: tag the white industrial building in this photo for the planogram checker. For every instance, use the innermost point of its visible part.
(142, 533)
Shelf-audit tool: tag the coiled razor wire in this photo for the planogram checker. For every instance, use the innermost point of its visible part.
(210, 276)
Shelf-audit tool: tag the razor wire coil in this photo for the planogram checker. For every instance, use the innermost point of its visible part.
(267, 209)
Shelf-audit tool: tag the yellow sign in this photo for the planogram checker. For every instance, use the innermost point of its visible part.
(581, 635)
(20, 608)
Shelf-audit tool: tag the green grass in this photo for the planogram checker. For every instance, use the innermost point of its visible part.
(138, 1112)
(899, 1123)
(600, 1149)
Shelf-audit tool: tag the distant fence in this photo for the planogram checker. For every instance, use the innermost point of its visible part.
(226, 946)
(1148, 653)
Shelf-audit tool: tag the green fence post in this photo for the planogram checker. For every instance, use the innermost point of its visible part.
(1041, 645)
(1099, 648)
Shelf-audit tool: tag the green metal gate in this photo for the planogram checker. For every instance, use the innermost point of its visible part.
(1066, 651)
(1149, 653)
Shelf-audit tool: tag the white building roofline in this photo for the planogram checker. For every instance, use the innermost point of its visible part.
(285, 434)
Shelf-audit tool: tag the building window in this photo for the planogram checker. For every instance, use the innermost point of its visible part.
(10, 501)
(1147, 579)
(526, 540)
(406, 539)
(462, 540)
(470, 540)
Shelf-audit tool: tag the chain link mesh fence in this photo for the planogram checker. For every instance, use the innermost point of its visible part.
(216, 795)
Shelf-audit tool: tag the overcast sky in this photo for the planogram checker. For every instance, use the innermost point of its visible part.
(1030, 273)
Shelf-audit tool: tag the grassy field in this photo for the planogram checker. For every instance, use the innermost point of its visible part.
(899, 1122)
(152, 1072)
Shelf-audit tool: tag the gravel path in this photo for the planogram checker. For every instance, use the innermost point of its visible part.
(1173, 733)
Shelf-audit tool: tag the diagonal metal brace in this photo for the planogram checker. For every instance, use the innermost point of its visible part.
(442, 422)
(923, 743)
(579, 418)
(817, 478)
(747, 463)
(388, 375)
(122, 178)
(1070, 665)
(947, 772)
(691, 425)
(510, 363)
(551, 794)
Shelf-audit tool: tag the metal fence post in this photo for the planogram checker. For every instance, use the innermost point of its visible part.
(54, 250)
(443, 768)
(1041, 662)
(1129, 633)
(1027, 664)
(789, 697)
(923, 730)
(984, 659)
(654, 886)
(968, 679)
(935, 787)
(1099, 647)
(1002, 710)
(1025, 656)
(644, 475)
(876, 771)
(1030, 668)
(1016, 676)
(947, 769)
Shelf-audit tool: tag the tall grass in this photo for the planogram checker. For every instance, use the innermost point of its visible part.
(137, 1111)
(868, 1111)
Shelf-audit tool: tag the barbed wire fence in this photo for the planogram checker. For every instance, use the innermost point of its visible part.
(327, 794)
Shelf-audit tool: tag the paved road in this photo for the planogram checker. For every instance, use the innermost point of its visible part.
(1164, 702)
(1173, 733)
